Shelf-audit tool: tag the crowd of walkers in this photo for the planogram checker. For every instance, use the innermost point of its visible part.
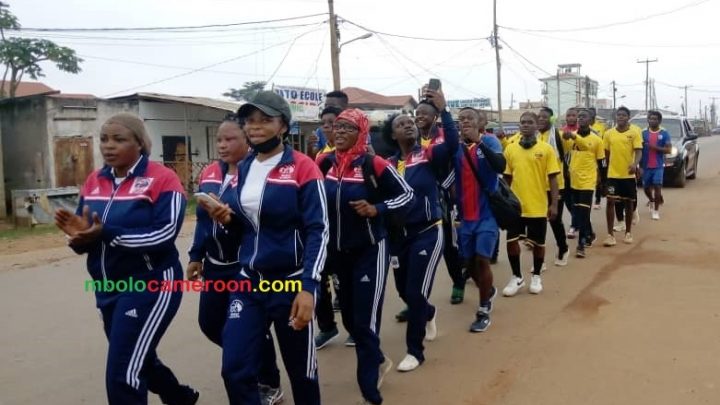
(338, 220)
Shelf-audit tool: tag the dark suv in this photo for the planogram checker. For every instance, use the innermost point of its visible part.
(682, 162)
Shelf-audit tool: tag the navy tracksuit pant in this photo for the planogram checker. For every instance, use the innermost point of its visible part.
(212, 314)
(249, 317)
(418, 257)
(362, 275)
(134, 323)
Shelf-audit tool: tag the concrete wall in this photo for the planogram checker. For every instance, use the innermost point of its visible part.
(177, 119)
(26, 157)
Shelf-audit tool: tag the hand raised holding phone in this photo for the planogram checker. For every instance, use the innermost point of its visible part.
(433, 93)
(216, 209)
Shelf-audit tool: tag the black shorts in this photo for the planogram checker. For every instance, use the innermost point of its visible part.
(622, 189)
(533, 230)
(582, 198)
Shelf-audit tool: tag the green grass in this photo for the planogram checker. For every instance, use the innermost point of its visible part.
(191, 205)
(21, 232)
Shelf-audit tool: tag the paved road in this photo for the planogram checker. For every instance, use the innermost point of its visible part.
(633, 324)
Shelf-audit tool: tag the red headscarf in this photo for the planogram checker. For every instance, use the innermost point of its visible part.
(360, 120)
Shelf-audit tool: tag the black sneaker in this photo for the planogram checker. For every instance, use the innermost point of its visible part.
(589, 242)
(186, 395)
(489, 303)
(580, 253)
(402, 315)
(323, 338)
(482, 322)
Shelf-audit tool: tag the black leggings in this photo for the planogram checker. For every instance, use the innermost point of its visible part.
(557, 226)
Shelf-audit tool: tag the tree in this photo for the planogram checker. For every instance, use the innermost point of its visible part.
(248, 91)
(23, 56)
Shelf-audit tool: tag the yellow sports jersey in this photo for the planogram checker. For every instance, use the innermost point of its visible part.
(530, 169)
(425, 142)
(585, 151)
(327, 149)
(600, 128)
(401, 167)
(622, 147)
(510, 139)
(545, 137)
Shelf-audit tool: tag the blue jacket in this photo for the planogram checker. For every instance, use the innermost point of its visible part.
(141, 220)
(292, 234)
(211, 240)
(424, 169)
(348, 230)
(473, 204)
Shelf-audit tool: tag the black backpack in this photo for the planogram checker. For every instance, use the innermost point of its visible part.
(394, 223)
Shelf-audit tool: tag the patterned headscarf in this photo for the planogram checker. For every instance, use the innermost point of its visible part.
(360, 120)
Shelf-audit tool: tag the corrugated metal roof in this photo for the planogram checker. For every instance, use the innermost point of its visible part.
(230, 106)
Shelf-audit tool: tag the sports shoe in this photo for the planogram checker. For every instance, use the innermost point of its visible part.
(619, 226)
(457, 296)
(609, 241)
(323, 338)
(542, 269)
(184, 395)
(481, 323)
(270, 395)
(402, 315)
(385, 368)
(596, 206)
(580, 253)
(651, 206)
(589, 242)
(571, 233)
(636, 217)
(562, 259)
(513, 286)
(431, 328)
(409, 363)
(628, 238)
(655, 215)
(535, 285)
(350, 342)
(489, 304)
(336, 304)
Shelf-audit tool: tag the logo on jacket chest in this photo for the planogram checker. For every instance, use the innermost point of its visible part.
(141, 185)
(286, 172)
(357, 172)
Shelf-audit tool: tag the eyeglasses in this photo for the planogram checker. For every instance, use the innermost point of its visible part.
(345, 128)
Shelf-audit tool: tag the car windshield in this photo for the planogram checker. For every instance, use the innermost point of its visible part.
(672, 125)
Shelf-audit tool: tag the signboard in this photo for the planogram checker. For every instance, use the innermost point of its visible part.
(472, 102)
(305, 103)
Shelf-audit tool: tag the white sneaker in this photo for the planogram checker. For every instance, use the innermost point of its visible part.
(409, 363)
(619, 226)
(562, 260)
(385, 368)
(571, 233)
(535, 285)
(655, 215)
(430, 329)
(636, 217)
(513, 286)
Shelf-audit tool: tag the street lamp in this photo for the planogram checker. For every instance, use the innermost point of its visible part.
(365, 36)
(335, 54)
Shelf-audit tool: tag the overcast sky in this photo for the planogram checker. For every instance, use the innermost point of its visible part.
(683, 41)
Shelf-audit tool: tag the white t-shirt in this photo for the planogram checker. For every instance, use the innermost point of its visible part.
(252, 189)
(226, 182)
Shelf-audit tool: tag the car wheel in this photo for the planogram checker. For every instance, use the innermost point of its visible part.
(681, 176)
(693, 176)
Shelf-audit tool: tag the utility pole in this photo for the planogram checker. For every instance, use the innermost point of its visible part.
(587, 92)
(497, 63)
(334, 48)
(558, 93)
(686, 111)
(647, 63)
(713, 112)
(614, 90)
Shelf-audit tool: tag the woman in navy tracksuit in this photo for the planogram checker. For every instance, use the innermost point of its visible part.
(282, 224)
(358, 240)
(214, 253)
(137, 210)
(421, 241)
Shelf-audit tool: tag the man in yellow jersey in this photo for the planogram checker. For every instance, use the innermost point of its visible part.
(623, 147)
(587, 154)
(599, 129)
(531, 166)
(551, 136)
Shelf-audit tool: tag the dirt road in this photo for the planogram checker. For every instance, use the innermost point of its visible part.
(633, 324)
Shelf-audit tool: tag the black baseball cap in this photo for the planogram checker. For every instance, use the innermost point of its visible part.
(270, 103)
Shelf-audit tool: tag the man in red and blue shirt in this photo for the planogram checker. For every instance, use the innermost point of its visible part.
(656, 144)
